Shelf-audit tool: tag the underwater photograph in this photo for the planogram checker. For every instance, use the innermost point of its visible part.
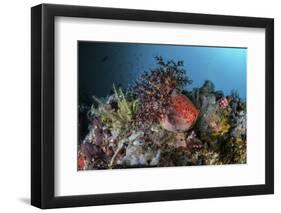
(160, 105)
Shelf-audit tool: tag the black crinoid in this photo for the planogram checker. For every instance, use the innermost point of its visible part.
(154, 89)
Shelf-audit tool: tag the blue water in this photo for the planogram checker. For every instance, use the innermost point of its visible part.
(101, 64)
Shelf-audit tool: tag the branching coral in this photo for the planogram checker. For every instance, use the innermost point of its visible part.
(155, 87)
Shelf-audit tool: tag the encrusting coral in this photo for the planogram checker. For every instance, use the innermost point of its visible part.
(157, 122)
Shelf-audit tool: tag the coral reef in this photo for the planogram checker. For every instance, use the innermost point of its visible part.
(154, 89)
(158, 123)
(118, 111)
(181, 116)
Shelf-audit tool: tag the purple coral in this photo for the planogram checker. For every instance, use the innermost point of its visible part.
(92, 151)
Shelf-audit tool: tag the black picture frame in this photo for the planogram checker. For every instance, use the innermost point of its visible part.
(43, 117)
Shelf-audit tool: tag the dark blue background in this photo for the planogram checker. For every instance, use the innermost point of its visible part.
(103, 63)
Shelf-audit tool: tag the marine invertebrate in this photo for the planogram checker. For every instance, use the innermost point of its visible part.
(239, 127)
(98, 131)
(155, 87)
(138, 154)
(125, 141)
(181, 116)
(147, 125)
(223, 102)
(214, 114)
(211, 157)
(119, 116)
(81, 161)
(96, 134)
(240, 150)
(90, 153)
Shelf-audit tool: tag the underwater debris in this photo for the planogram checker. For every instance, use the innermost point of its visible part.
(160, 123)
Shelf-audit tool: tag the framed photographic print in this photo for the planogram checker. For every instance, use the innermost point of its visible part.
(140, 106)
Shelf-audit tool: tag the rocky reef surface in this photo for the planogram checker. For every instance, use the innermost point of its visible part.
(158, 123)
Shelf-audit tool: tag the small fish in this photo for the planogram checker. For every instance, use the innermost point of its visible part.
(104, 58)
